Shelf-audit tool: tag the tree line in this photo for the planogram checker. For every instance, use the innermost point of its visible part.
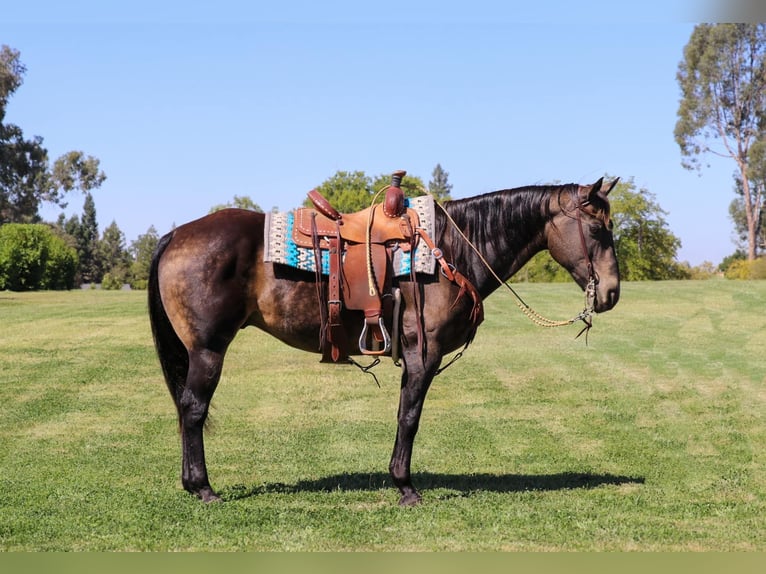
(722, 112)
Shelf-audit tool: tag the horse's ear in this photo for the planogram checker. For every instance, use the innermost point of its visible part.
(611, 186)
(596, 187)
(588, 191)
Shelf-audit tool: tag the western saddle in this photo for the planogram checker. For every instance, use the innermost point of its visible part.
(361, 246)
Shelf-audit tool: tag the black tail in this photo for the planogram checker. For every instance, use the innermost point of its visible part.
(173, 356)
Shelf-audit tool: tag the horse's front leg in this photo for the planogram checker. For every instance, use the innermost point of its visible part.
(202, 379)
(415, 382)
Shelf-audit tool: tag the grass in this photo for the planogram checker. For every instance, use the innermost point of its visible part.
(649, 438)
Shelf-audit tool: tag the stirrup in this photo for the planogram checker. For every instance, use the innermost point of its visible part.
(386, 340)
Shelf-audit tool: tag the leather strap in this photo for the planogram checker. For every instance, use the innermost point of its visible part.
(336, 347)
(321, 288)
(452, 274)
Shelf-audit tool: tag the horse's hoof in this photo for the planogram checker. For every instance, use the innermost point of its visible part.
(410, 499)
(207, 495)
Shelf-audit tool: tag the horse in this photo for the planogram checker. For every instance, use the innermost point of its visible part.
(208, 279)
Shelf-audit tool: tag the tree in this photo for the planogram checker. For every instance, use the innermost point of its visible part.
(646, 248)
(723, 108)
(85, 232)
(353, 191)
(112, 254)
(542, 268)
(439, 187)
(240, 202)
(11, 76)
(25, 177)
(142, 250)
(346, 191)
(74, 171)
(739, 219)
(22, 162)
(411, 185)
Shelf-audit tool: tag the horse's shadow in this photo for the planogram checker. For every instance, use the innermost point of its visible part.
(462, 485)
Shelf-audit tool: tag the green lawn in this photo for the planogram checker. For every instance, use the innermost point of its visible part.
(652, 437)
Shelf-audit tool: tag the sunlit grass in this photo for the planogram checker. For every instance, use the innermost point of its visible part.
(651, 437)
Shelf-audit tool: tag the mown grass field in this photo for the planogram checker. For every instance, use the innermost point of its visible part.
(652, 437)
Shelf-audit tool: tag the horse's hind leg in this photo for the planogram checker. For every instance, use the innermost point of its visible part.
(203, 376)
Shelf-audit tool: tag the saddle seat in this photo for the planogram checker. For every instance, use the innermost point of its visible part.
(360, 247)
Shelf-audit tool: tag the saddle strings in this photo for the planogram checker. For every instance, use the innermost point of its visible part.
(368, 236)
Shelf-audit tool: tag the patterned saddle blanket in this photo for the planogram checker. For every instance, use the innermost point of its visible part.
(280, 245)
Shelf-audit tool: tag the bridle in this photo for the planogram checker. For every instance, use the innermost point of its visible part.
(534, 316)
(590, 288)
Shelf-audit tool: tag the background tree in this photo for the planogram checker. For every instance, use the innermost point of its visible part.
(542, 268)
(739, 219)
(74, 171)
(723, 107)
(439, 186)
(646, 248)
(113, 255)
(347, 191)
(25, 177)
(352, 191)
(240, 202)
(85, 232)
(23, 163)
(11, 75)
(141, 251)
(411, 185)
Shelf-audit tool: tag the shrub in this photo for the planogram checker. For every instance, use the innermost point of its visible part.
(33, 257)
(758, 269)
(111, 282)
(743, 269)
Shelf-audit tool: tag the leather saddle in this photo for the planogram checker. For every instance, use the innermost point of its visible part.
(361, 247)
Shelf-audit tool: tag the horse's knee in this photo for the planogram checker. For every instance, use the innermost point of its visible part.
(205, 367)
(201, 380)
(193, 408)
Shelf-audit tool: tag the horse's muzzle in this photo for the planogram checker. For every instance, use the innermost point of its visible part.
(606, 299)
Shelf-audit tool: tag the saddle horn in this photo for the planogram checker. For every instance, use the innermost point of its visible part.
(393, 206)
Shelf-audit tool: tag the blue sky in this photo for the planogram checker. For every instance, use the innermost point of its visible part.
(187, 105)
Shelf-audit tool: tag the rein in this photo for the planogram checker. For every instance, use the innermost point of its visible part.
(534, 316)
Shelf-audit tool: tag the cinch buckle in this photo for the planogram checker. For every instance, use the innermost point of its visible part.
(386, 340)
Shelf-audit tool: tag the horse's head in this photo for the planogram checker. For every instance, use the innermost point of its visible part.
(580, 239)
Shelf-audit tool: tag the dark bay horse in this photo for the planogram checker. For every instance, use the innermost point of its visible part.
(208, 280)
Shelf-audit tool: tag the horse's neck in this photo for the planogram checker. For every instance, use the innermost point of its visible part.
(505, 235)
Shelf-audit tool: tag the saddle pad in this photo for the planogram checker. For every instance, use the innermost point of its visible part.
(281, 248)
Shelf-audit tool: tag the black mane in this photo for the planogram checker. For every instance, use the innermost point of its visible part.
(499, 223)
